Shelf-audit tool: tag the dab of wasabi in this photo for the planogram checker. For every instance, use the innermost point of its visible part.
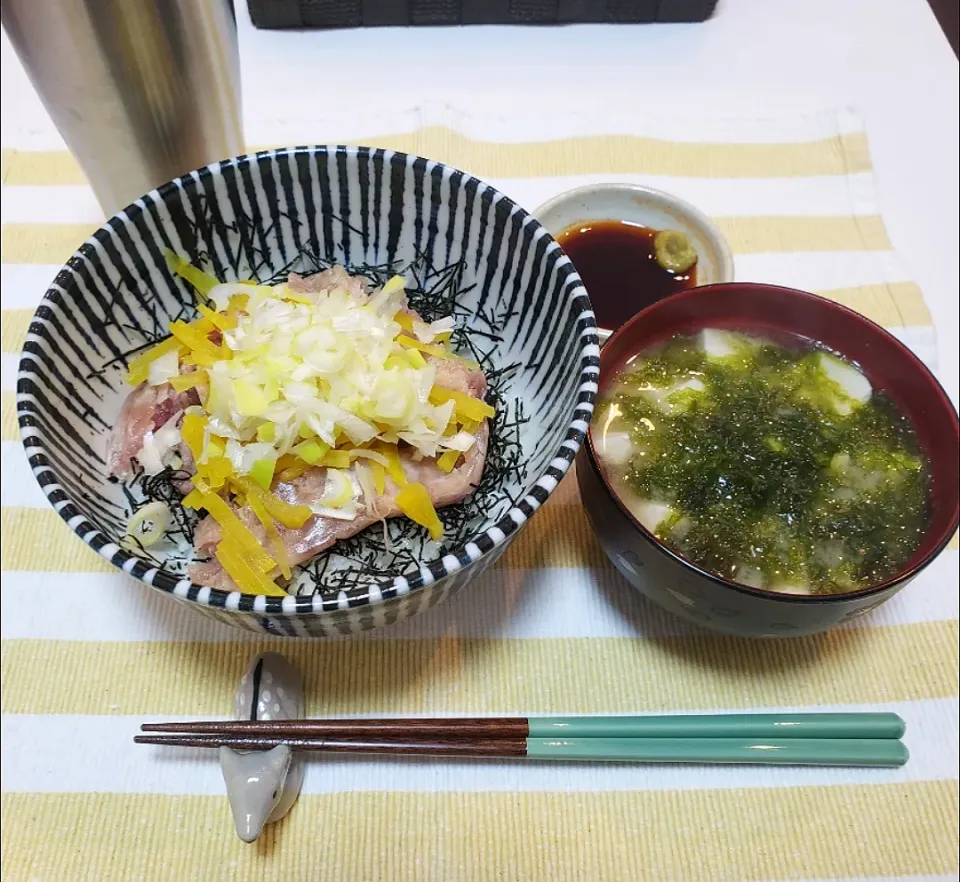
(776, 466)
(673, 251)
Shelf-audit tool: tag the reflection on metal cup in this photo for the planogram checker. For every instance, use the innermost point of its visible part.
(141, 90)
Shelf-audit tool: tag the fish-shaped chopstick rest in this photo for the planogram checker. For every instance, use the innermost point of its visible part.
(262, 786)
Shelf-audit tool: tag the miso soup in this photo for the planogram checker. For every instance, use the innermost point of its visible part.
(773, 464)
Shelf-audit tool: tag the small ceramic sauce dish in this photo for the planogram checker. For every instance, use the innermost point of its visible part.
(609, 231)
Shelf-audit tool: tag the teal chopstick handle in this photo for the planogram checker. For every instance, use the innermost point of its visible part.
(869, 752)
(844, 725)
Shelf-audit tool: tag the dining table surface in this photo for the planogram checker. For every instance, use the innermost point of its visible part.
(88, 654)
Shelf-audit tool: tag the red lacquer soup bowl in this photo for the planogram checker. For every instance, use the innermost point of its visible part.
(677, 583)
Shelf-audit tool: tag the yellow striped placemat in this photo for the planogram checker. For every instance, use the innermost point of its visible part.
(87, 653)
(853, 832)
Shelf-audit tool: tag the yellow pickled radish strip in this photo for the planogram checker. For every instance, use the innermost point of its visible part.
(414, 501)
(394, 465)
(234, 529)
(192, 431)
(405, 320)
(292, 516)
(379, 476)
(470, 426)
(467, 406)
(247, 578)
(290, 466)
(215, 447)
(201, 485)
(218, 319)
(279, 549)
(266, 432)
(195, 340)
(139, 367)
(182, 382)
(336, 459)
(446, 461)
(428, 348)
(215, 471)
(194, 499)
(200, 280)
(204, 359)
(291, 473)
(202, 324)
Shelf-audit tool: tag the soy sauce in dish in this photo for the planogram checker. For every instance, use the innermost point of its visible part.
(618, 265)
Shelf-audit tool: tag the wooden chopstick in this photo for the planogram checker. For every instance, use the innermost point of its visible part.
(851, 739)
(479, 747)
(863, 752)
(493, 727)
(836, 725)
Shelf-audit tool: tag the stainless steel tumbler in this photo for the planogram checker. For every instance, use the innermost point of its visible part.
(140, 90)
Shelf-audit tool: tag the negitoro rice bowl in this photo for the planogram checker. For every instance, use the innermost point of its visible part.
(495, 342)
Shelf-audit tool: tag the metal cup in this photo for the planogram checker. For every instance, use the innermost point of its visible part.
(141, 90)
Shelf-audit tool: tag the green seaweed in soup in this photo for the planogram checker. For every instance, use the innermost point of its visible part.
(776, 466)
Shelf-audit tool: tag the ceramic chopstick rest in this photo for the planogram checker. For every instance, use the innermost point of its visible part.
(262, 786)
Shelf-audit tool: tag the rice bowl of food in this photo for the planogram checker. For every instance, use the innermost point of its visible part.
(311, 391)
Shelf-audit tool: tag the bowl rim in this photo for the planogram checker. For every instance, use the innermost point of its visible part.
(726, 269)
(766, 594)
(381, 591)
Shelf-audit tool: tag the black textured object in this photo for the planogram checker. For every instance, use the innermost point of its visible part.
(276, 14)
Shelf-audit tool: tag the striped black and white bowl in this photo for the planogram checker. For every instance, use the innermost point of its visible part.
(263, 214)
